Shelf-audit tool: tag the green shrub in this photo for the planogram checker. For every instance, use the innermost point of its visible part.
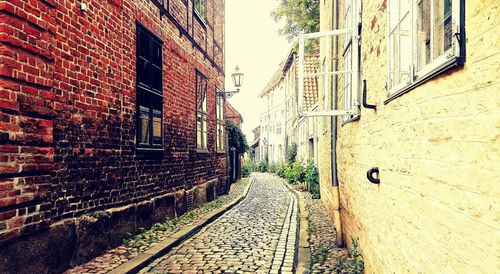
(263, 166)
(236, 138)
(353, 264)
(295, 173)
(312, 180)
(248, 167)
(273, 168)
(281, 170)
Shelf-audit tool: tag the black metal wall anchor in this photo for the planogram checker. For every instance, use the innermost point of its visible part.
(365, 104)
(371, 178)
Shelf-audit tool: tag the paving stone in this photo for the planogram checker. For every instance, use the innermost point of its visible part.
(246, 237)
(117, 256)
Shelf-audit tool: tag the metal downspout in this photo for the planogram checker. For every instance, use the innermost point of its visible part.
(335, 183)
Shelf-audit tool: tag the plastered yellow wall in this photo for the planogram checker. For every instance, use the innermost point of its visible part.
(436, 209)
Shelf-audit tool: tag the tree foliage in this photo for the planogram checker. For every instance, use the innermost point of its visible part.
(236, 138)
(301, 16)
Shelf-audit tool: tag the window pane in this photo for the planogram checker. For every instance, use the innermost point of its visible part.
(156, 79)
(156, 54)
(393, 58)
(204, 127)
(157, 132)
(198, 121)
(423, 33)
(199, 5)
(347, 90)
(144, 125)
(393, 14)
(404, 8)
(143, 71)
(405, 49)
(143, 44)
(201, 88)
(204, 103)
(198, 138)
(442, 27)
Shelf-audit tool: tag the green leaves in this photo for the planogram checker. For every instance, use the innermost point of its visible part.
(312, 180)
(354, 264)
(236, 138)
(301, 16)
(295, 173)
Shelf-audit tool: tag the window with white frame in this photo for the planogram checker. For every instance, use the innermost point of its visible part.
(349, 93)
(325, 107)
(201, 111)
(423, 40)
(219, 109)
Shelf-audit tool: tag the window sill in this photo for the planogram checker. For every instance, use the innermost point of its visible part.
(150, 150)
(447, 66)
(350, 120)
(202, 151)
(221, 152)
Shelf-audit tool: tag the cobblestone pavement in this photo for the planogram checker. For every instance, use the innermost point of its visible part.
(256, 236)
(322, 238)
(112, 258)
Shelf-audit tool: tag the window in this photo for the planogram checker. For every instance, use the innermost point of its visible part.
(324, 69)
(149, 90)
(200, 8)
(349, 57)
(423, 40)
(219, 109)
(201, 111)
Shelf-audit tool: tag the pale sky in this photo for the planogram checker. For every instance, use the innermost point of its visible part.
(252, 43)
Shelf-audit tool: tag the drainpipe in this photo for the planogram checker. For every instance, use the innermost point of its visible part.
(335, 183)
(284, 126)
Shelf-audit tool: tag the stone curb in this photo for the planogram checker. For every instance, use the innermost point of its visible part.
(142, 260)
(303, 258)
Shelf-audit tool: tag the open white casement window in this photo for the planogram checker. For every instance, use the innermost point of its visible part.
(425, 38)
(348, 69)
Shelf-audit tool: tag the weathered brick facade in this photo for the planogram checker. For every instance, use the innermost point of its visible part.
(70, 171)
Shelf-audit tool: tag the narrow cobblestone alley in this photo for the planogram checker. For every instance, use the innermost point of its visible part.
(256, 236)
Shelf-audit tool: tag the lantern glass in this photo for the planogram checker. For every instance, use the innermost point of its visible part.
(237, 77)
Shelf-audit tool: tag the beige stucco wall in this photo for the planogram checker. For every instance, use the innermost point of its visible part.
(437, 147)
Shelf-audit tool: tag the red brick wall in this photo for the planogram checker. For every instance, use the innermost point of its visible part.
(68, 100)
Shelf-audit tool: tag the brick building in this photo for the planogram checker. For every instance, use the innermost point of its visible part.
(425, 125)
(108, 122)
(232, 115)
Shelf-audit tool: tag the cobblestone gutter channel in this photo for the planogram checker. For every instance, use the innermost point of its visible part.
(284, 257)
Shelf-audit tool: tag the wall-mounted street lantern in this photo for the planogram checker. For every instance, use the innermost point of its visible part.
(237, 77)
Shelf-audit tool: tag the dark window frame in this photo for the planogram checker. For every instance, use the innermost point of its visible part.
(149, 90)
